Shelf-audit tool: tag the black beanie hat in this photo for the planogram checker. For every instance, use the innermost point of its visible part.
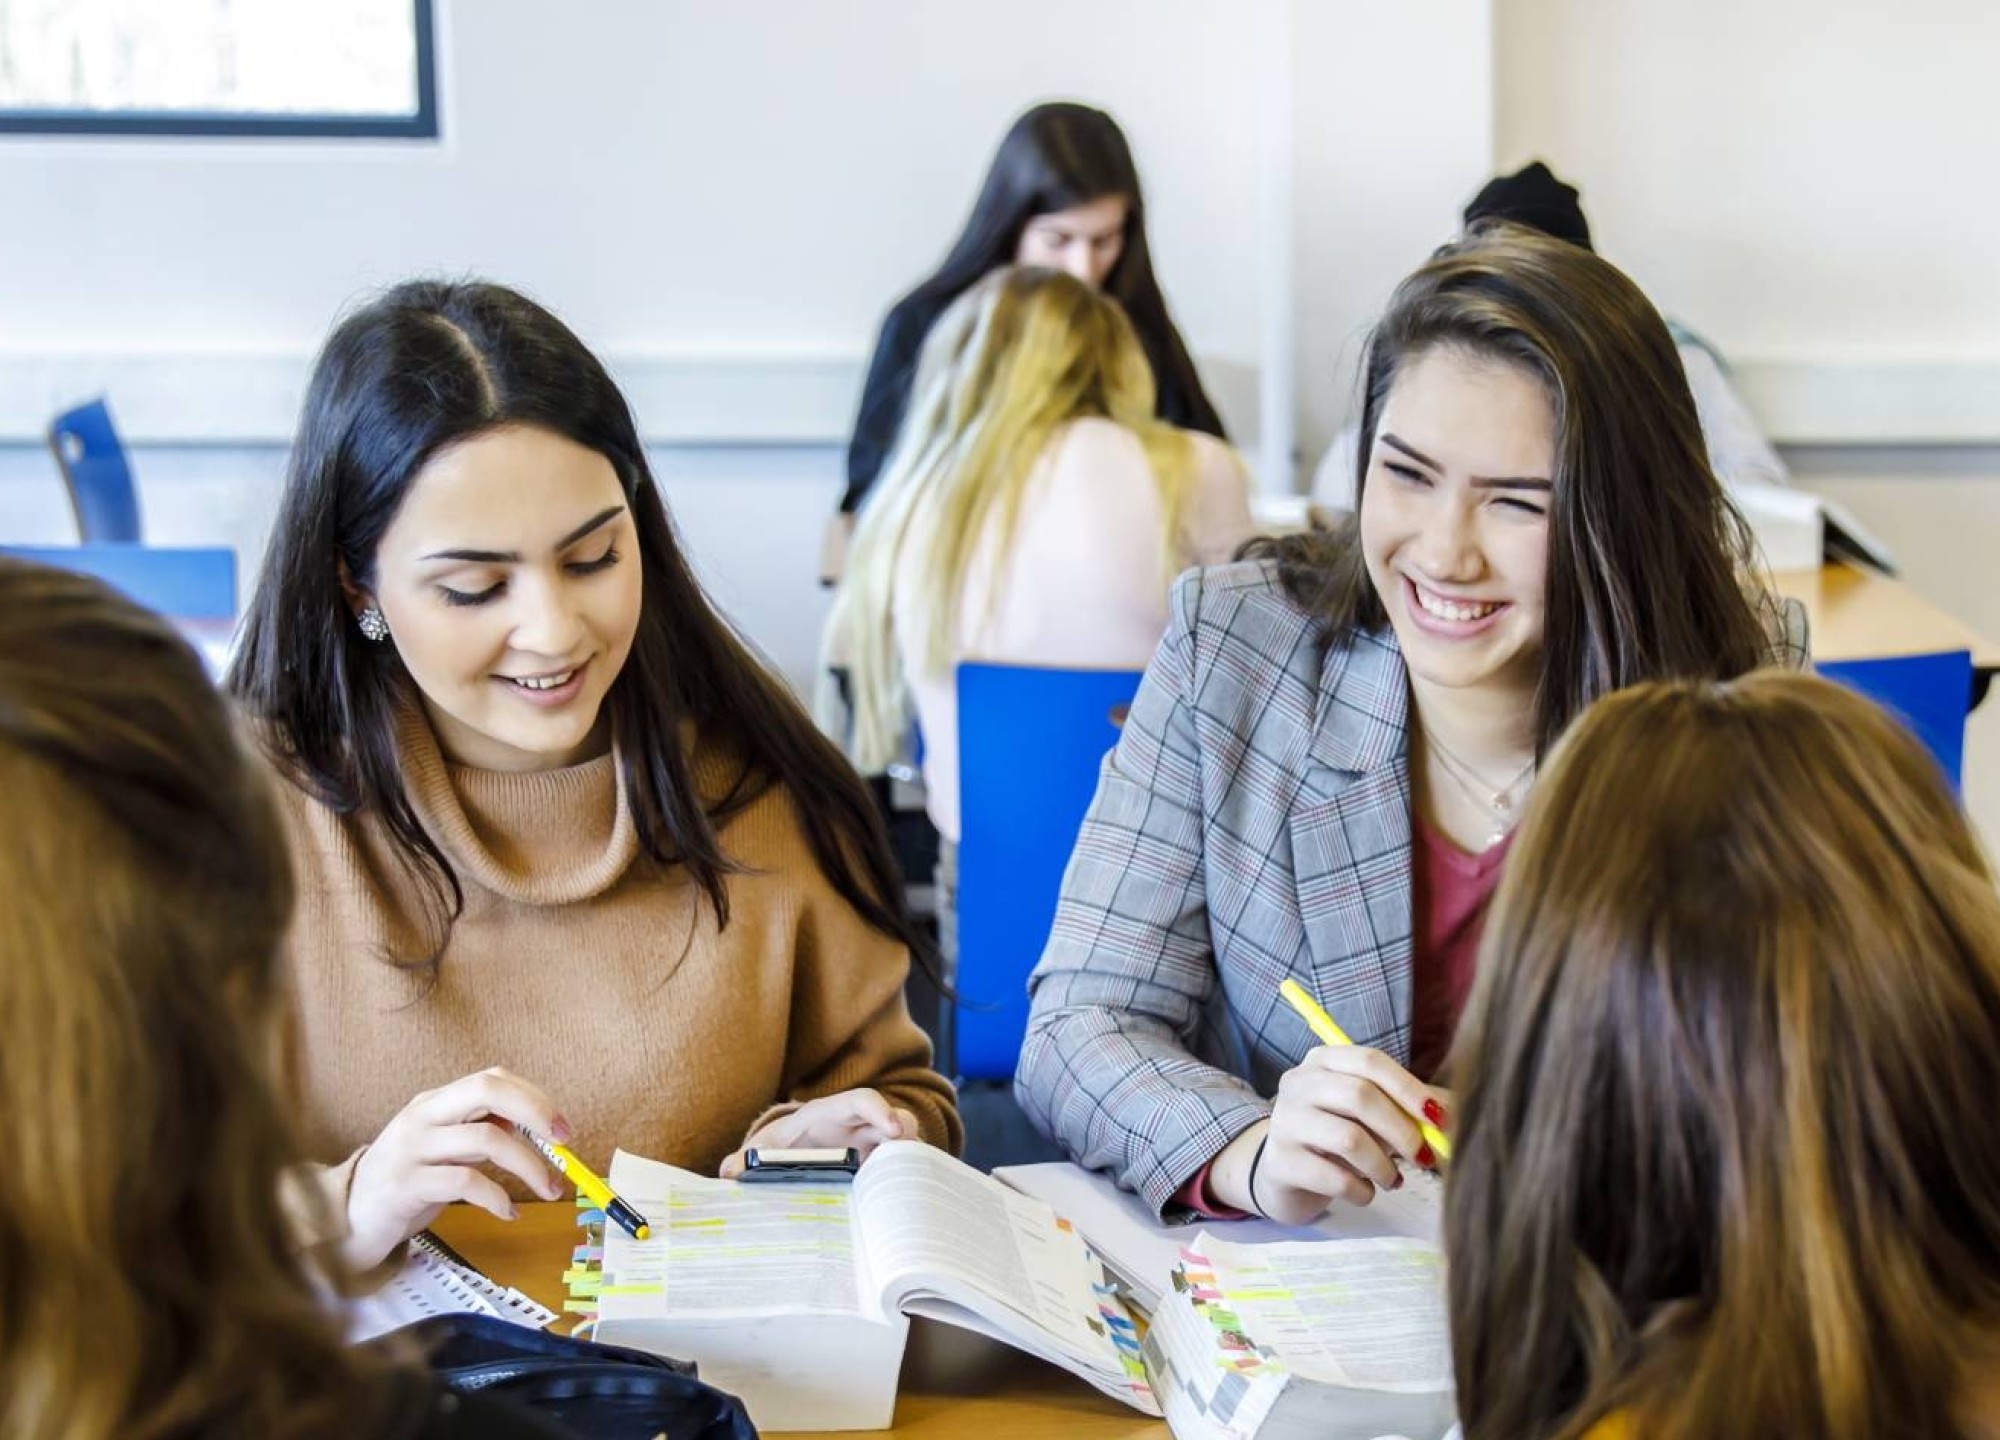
(1533, 197)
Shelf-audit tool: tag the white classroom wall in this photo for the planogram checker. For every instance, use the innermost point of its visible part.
(1815, 185)
(723, 200)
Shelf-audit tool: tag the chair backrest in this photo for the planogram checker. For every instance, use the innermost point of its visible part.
(183, 584)
(1030, 744)
(99, 476)
(1929, 693)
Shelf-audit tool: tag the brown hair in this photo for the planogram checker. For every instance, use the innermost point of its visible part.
(1647, 557)
(1729, 1154)
(151, 1285)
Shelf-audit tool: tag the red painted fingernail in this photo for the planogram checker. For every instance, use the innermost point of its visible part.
(1425, 1158)
(559, 1131)
(1400, 1178)
(1434, 1112)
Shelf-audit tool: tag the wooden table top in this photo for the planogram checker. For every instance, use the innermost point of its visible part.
(1860, 614)
(954, 1383)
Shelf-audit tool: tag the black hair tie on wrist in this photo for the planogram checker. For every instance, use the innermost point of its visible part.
(1256, 1205)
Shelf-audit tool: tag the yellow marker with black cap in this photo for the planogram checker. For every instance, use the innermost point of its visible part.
(589, 1186)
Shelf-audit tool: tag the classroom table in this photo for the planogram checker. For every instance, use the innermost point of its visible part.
(955, 1383)
(1861, 614)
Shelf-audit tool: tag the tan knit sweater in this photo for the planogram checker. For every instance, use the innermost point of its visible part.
(590, 970)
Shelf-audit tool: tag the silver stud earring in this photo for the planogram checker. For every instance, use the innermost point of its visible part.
(373, 625)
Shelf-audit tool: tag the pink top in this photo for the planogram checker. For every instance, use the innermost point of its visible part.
(1449, 893)
(1083, 584)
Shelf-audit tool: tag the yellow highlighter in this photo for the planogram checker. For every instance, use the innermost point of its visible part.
(1329, 1033)
(589, 1186)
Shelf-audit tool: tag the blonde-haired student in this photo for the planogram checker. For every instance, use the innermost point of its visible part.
(1034, 511)
(1728, 1153)
(151, 1283)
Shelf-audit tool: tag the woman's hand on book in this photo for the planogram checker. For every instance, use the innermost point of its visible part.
(432, 1153)
(1343, 1116)
(860, 1119)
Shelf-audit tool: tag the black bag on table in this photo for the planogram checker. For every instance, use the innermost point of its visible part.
(602, 1392)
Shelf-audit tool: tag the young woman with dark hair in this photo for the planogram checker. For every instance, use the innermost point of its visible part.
(1063, 194)
(154, 1284)
(549, 812)
(1320, 774)
(1728, 1159)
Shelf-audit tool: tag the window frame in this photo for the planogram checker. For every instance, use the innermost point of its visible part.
(252, 125)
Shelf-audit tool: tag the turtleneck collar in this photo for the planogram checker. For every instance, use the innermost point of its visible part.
(540, 837)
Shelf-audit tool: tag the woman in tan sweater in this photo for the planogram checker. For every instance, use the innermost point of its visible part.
(548, 812)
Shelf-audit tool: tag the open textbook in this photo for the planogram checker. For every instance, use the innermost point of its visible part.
(1304, 1340)
(1143, 1252)
(794, 1296)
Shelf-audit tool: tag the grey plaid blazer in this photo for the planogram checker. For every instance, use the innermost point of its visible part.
(1253, 823)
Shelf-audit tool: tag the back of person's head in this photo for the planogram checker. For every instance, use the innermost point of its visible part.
(151, 1287)
(1019, 355)
(1648, 561)
(1533, 197)
(1728, 1153)
(424, 367)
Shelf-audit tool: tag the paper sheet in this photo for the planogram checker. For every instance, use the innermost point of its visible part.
(1366, 1313)
(719, 1247)
(929, 1216)
(1143, 1252)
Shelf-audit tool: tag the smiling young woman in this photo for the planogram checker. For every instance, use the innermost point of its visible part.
(1320, 774)
(548, 813)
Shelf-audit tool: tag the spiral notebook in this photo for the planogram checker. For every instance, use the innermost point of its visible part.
(437, 1280)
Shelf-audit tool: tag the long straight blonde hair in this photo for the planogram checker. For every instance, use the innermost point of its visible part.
(1728, 1142)
(149, 1283)
(1013, 360)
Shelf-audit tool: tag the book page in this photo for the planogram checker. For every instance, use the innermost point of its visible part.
(937, 1226)
(1143, 1251)
(719, 1247)
(1358, 1313)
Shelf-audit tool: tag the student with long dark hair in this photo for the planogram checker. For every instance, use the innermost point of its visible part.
(1728, 1158)
(549, 812)
(153, 1280)
(1062, 193)
(1320, 774)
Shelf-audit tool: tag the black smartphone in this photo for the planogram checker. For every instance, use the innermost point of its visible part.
(825, 1167)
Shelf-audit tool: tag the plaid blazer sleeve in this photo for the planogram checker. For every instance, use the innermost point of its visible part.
(1107, 1067)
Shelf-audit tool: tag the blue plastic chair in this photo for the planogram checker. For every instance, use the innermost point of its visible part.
(1030, 744)
(1929, 693)
(99, 475)
(183, 584)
